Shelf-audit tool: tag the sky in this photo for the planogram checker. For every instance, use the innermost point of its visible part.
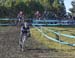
(68, 4)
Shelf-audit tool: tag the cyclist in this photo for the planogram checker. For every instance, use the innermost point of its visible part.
(20, 17)
(25, 33)
(37, 15)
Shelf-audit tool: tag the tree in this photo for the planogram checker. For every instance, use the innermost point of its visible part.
(3, 11)
(34, 6)
(12, 7)
(59, 8)
(51, 4)
(56, 7)
(62, 12)
(73, 9)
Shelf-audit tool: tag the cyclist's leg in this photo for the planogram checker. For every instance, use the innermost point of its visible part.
(24, 38)
(23, 41)
(20, 40)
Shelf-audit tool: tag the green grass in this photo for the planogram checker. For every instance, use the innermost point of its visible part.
(66, 39)
(63, 30)
(54, 45)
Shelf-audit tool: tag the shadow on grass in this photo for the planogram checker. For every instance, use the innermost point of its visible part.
(41, 50)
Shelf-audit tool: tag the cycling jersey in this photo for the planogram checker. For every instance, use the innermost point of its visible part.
(25, 29)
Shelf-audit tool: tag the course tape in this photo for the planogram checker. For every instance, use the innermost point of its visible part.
(53, 39)
(7, 24)
(7, 18)
(58, 33)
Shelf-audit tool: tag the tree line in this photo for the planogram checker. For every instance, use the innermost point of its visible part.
(10, 8)
(73, 9)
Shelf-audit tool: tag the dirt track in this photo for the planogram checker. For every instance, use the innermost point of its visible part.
(9, 47)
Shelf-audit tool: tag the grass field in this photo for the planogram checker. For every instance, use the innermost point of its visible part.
(55, 45)
(9, 40)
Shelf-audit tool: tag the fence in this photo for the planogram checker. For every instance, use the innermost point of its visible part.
(49, 22)
(7, 21)
(53, 22)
